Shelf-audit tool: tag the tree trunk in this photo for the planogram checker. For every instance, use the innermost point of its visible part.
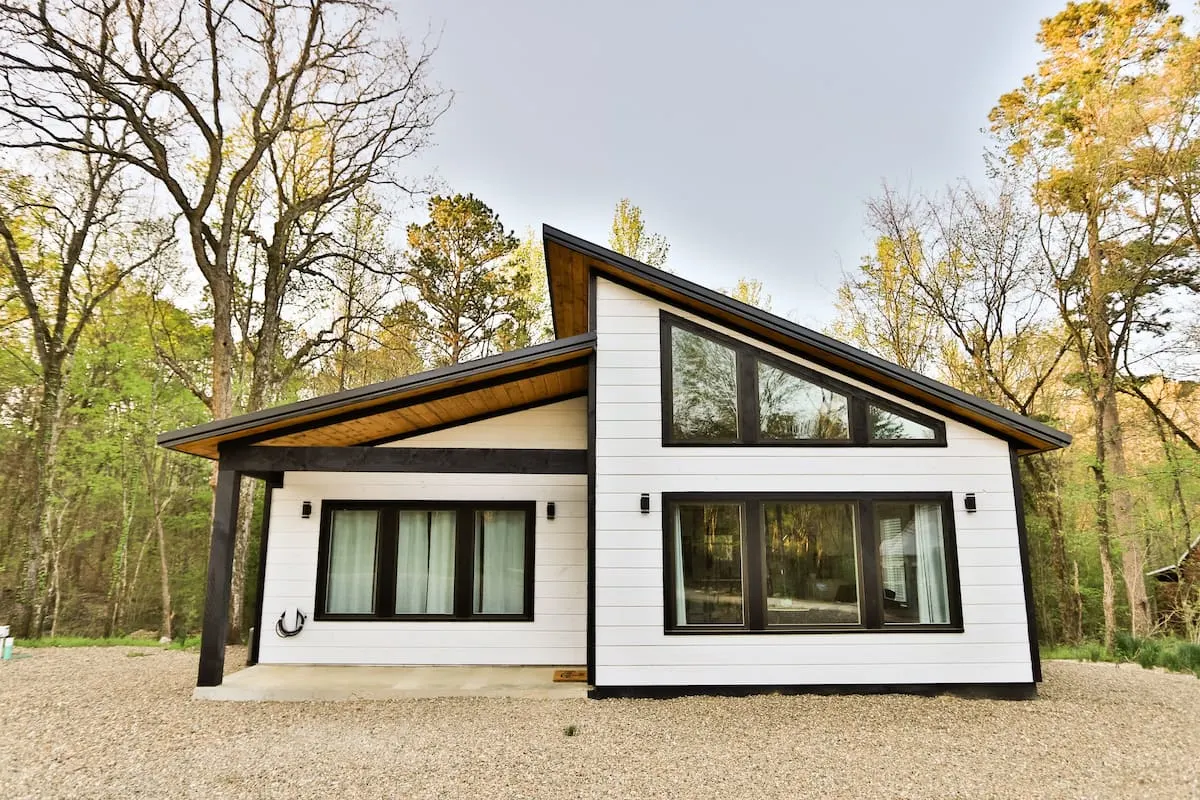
(1047, 499)
(1077, 616)
(241, 547)
(45, 454)
(222, 350)
(1110, 437)
(1104, 538)
(168, 615)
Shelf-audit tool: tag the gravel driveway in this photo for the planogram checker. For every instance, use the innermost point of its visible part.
(119, 722)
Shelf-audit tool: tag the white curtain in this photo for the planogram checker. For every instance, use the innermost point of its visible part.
(425, 562)
(891, 551)
(351, 585)
(931, 565)
(680, 596)
(499, 562)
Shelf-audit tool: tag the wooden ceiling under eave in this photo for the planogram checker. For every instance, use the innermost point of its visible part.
(405, 406)
(415, 418)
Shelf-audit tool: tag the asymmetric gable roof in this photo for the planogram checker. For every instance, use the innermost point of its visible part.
(570, 261)
(556, 370)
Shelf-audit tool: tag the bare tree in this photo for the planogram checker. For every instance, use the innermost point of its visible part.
(207, 90)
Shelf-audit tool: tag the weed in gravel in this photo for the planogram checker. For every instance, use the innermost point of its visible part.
(571, 730)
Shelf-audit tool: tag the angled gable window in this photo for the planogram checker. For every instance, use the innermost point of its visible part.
(704, 388)
(720, 391)
(889, 425)
(792, 408)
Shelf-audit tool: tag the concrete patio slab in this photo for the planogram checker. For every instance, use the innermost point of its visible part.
(288, 682)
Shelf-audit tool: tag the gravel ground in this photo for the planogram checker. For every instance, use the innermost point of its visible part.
(119, 722)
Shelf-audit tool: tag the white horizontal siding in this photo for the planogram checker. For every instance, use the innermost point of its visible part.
(561, 425)
(631, 647)
(557, 634)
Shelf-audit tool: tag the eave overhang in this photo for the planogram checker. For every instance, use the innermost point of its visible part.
(406, 406)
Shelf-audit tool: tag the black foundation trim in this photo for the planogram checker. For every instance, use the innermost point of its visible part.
(989, 691)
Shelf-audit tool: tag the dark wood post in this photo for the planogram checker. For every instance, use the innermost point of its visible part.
(220, 571)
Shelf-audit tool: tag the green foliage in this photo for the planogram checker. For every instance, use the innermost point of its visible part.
(629, 236)
(1174, 655)
(472, 300)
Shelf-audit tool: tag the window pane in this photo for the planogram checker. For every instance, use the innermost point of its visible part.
(499, 562)
(812, 563)
(912, 563)
(425, 562)
(790, 407)
(886, 425)
(708, 564)
(350, 588)
(703, 389)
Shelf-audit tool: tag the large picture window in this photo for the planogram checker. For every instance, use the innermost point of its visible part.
(718, 390)
(415, 561)
(805, 562)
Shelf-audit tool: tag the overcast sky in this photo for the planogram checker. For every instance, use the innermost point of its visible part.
(750, 133)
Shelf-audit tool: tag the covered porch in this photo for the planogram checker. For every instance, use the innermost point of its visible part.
(355, 438)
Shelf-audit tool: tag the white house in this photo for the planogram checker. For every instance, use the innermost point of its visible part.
(681, 492)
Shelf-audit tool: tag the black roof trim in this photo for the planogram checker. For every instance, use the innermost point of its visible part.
(809, 337)
(583, 343)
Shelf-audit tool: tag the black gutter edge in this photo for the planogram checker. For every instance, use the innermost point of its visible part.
(1035, 654)
(583, 343)
(989, 691)
(1044, 433)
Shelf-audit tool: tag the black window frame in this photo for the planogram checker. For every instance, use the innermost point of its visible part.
(747, 357)
(754, 556)
(385, 558)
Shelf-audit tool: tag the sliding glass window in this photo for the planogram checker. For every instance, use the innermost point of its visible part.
(810, 562)
(416, 561)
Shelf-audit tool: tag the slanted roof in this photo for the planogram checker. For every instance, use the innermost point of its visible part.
(1172, 572)
(571, 260)
(406, 406)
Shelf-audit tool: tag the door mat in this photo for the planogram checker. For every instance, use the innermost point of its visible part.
(570, 676)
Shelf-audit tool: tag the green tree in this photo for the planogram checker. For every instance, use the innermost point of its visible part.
(629, 236)
(1075, 125)
(880, 310)
(750, 291)
(469, 301)
(67, 245)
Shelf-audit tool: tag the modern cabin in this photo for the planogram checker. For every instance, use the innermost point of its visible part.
(681, 492)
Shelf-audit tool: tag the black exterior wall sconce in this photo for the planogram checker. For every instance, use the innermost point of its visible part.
(969, 502)
(550, 510)
(645, 506)
(306, 509)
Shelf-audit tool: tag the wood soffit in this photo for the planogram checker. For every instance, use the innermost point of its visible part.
(406, 407)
